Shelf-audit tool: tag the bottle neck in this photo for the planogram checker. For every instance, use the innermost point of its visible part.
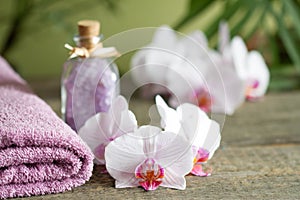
(88, 42)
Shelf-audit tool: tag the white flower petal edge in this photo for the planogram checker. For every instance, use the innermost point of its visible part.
(239, 54)
(102, 128)
(251, 67)
(92, 135)
(191, 123)
(193, 45)
(259, 72)
(164, 37)
(224, 37)
(150, 64)
(159, 54)
(169, 119)
(230, 95)
(151, 156)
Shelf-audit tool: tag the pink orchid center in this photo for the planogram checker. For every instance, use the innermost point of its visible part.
(251, 86)
(150, 173)
(200, 158)
(203, 99)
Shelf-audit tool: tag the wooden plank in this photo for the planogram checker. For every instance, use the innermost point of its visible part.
(275, 120)
(259, 157)
(271, 172)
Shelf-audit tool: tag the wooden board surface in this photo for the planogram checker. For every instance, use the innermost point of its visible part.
(259, 157)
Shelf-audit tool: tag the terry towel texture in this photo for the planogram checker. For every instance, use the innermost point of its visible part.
(39, 153)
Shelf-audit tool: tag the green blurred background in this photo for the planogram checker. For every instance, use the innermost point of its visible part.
(33, 32)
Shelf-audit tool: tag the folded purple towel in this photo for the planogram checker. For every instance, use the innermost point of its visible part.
(39, 153)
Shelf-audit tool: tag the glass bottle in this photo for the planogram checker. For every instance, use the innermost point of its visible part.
(88, 84)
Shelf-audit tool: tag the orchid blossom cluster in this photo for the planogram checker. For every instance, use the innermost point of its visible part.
(150, 156)
(187, 70)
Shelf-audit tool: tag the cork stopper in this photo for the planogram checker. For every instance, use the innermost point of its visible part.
(88, 30)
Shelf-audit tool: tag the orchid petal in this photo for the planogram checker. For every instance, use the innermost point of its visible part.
(185, 78)
(174, 152)
(202, 155)
(93, 135)
(124, 180)
(224, 43)
(213, 139)
(195, 124)
(118, 106)
(193, 45)
(173, 180)
(164, 37)
(149, 136)
(197, 128)
(239, 53)
(176, 157)
(150, 64)
(199, 37)
(186, 75)
(203, 99)
(99, 153)
(124, 120)
(234, 90)
(102, 128)
(123, 155)
(126, 154)
(169, 118)
(228, 93)
(162, 52)
(168, 149)
(258, 70)
(198, 171)
(224, 36)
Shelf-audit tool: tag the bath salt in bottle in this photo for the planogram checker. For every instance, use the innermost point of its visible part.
(90, 80)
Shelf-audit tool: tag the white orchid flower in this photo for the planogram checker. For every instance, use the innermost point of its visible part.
(150, 64)
(205, 77)
(149, 157)
(102, 128)
(187, 78)
(191, 123)
(153, 64)
(225, 86)
(211, 83)
(251, 67)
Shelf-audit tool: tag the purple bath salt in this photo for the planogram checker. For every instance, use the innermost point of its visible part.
(88, 87)
(89, 81)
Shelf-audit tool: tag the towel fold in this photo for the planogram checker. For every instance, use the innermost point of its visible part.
(39, 153)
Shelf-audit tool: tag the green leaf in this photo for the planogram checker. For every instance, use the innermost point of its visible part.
(286, 37)
(196, 7)
(229, 11)
(243, 21)
(260, 21)
(291, 7)
(274, 50)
